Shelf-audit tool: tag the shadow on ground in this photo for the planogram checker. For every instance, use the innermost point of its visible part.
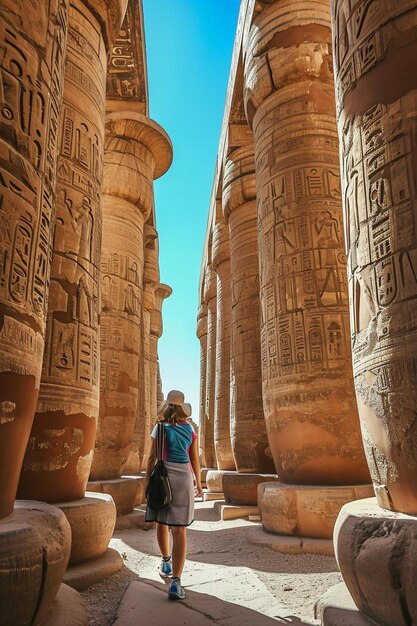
(212, 610)
(211, 547)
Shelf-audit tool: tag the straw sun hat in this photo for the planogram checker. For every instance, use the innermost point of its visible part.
(175, 397)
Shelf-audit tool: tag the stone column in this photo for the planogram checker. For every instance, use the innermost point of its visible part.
(137, 150)
(309, 400)
(375, 539)
(221, 265)
(202, 336)
(161, 293)
(378, 179)
(31, 79)
(60, 450)
(210, 299)
(247, 422)
(151, 280)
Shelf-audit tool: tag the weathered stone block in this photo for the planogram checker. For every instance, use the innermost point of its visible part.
(214, 480)
(35, 544)
(376, 551)
(304, 511)
(67, 610)
(92, 520)
(84, 575)
(243, 488)
(122, 490)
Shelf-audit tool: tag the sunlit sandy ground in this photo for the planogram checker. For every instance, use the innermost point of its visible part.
(222, 564)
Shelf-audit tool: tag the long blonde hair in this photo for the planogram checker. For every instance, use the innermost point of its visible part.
(174, 414)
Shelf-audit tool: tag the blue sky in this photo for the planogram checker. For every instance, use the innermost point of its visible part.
(189, 47)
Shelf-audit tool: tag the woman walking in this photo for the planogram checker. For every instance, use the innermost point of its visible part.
(180, 454)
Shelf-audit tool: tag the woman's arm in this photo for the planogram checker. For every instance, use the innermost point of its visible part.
(195, 462)
(151, 462)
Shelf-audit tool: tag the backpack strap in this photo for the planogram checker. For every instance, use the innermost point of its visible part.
(160, 441)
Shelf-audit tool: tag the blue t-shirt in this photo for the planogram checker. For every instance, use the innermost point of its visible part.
(178, 439)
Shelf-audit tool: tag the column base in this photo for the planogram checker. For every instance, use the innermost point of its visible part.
(377, 554)
(135, 519)
(67, 610)
(242, 489)
(209, 496)
(35, 545)
(124, 491)
(286, 544)
(233, 511)
(140, 479)
(92, 521)
(303, 510)
(336, 608)
(214, 479)
(204, 471)
(82, 576)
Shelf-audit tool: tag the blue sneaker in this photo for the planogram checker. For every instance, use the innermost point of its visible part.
(165, 569)
(175, 591)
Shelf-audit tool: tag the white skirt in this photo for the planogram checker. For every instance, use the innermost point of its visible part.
(181, 510)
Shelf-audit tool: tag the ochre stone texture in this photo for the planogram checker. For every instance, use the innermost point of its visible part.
(35, 544)
(92, 520)
(247, 421)
(308, 394)
(31, 74)
(305, 511)
(133, 143)
(377, 554)
(221, 265)
(202, 336)
(123, 491)
(376, 93)
(60, 449)
(210, 299)
(242, 488)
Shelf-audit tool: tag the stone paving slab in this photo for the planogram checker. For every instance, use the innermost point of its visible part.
(146, 603)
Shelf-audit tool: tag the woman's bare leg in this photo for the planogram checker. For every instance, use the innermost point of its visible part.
(179, 549)
(162, 534)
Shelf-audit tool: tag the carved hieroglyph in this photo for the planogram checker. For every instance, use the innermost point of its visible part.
(210, 299)
(134, 145)
(221, 265)
(202, 336)
(60, 449)
(309, 401)
(375, 45)
(247, 422)
(33, 40)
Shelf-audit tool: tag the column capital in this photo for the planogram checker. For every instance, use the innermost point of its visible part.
(137, 150)
(123, 120)
(287, 46)
(239, 179)
(161, 292)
